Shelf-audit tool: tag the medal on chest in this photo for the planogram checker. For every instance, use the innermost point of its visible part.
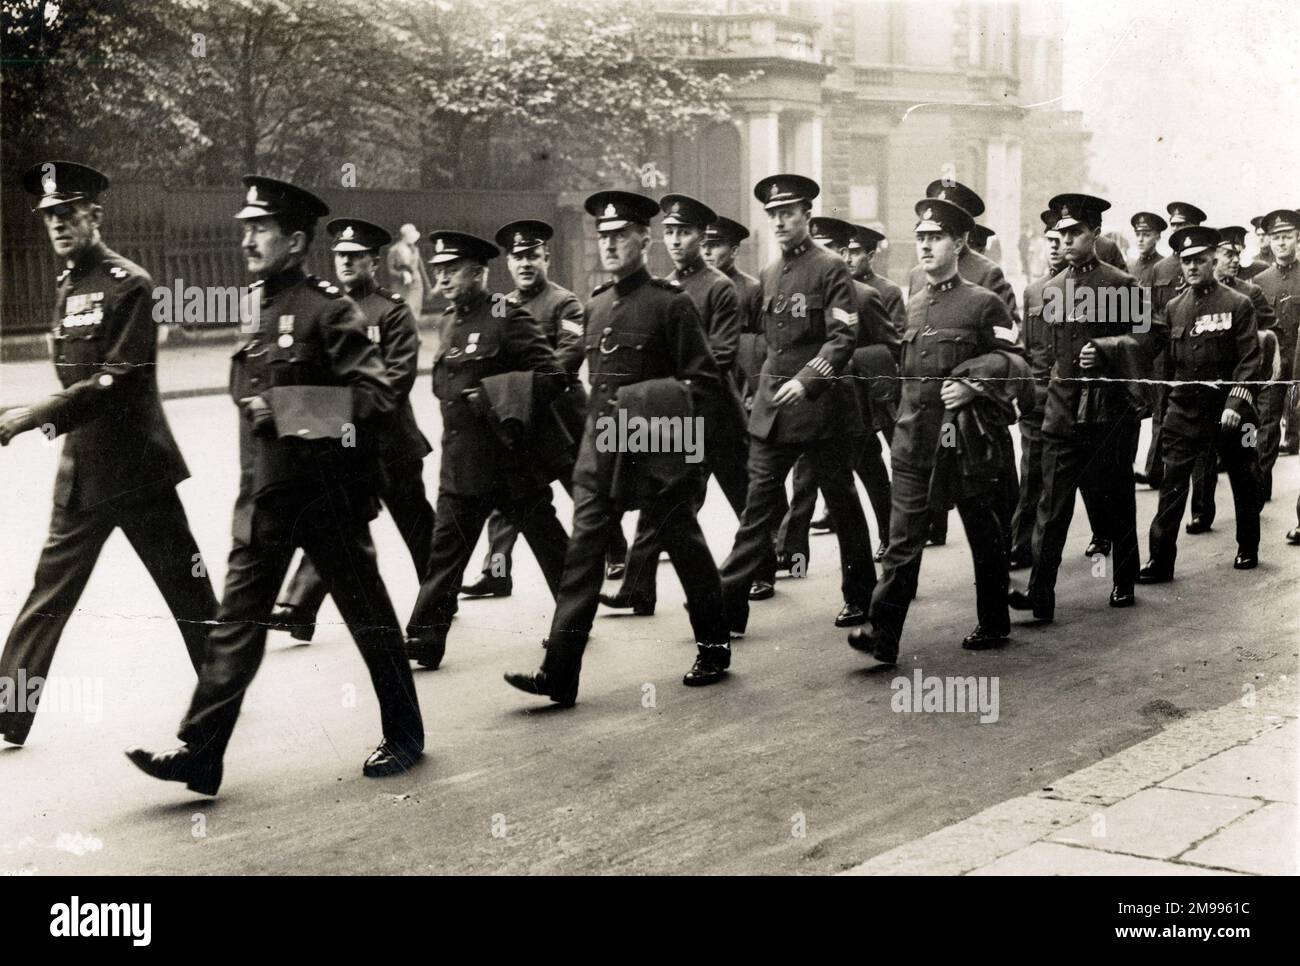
(1214, 322)
(286, 331)
(82, 310)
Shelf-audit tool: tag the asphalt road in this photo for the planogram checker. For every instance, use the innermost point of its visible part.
(797, 763)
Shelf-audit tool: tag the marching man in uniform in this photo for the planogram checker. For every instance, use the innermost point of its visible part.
(120, 465)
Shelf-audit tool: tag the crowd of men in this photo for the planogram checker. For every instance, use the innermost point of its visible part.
(796, 374)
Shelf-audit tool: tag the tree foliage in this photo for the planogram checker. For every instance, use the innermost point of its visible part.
(413, 93)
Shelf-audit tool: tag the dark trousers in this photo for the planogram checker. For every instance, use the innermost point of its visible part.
(1025, 515)
(1269, 404)
(502, 534)
(1181, 454)
(869, 463)
(832, 469)
(1155, 466)
(460, 521)
(1205, 484)
(1096, 456)
(980, 511)
(671, 516)
(402, 493)
(160, 534)
(340, 546)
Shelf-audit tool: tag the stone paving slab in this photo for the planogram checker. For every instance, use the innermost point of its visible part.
(1050, 858)
(1250, 771)
(1159, 823)
(1263, 843)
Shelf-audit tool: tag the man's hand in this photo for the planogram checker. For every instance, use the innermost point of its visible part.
(15, 421)
(792, 391)
(1230, 419)
(259, 415)
(956, 393)
(407, 276)
(1088, 357)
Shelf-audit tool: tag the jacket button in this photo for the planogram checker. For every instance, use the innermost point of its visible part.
(924, 353)
(607, 330)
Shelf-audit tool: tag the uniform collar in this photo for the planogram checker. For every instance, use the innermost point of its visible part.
(1151, 256)
(625, 286)
(286, 279)
(1286, 269)
(87, 260)
(534, 290)
(1086, 267)
(690, 268)
(865, 276)
(944, 286)
(1205, 288)
(362, 289)
(467, 305)
(798, 249)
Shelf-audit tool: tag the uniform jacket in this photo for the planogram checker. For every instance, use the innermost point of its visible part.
(891, 295)
(564, 323)
(976, 269)
(873, 370)
(303, 331)
(1212, 336)
(638, 328)
(640, 477)
(810, 321)
(751, 348)
(1036, 340)
(391, 326)
(479, 342)
(104, 345)
(1166, 281)
(716, 300)
(1142, 267)
(1108, 252)
(1282, 288)
(1072, 396)
(948, 324)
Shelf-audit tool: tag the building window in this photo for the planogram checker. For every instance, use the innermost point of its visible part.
(867, 181)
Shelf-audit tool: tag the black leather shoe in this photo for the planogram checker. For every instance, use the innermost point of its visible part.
(1097, 546)
(870, 641)
(289, 620)
(1197, 525)
(982, 640)
(1043, 610)
(825, 524)
(538, 682)
(489, 586)
(881, 551)
(428, 649)
(1293, 537)
(936, 540)
(615, 570)
(1122, 597)
(1154, 574)
(390, 759)
(710, 667)
(13, 737)
(624, 599)
(1245, 561)
(850, 615)
(1020, 561)
(761, 590)
(179, 765)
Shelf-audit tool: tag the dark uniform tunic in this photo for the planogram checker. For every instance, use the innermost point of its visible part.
(1212, 336)
(750, 347)
(119, 468)
(1205, 478)
(810, 325)
(639, 328)
(1088, 427)
(948, 325)
(891, 295)
(978, 270)
(479, 472)
(726, 449)
(401, 446)
(1142, 267)
(1165, 279)
(560, 314)
(878, 411)
(315, 493)
(1281, 285)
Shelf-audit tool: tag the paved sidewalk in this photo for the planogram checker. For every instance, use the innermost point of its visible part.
(197, 368)
(1214, 794)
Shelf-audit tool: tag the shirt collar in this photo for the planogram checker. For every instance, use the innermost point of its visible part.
(629, 284)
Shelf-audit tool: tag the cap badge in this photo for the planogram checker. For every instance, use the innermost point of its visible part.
(928, 214)
(348, 232)
(252, 198)
(49, 185)
(438, 246)
(519, 238)
(610, 211)
(942, 195)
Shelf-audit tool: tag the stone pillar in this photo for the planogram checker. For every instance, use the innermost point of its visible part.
(764, 158)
